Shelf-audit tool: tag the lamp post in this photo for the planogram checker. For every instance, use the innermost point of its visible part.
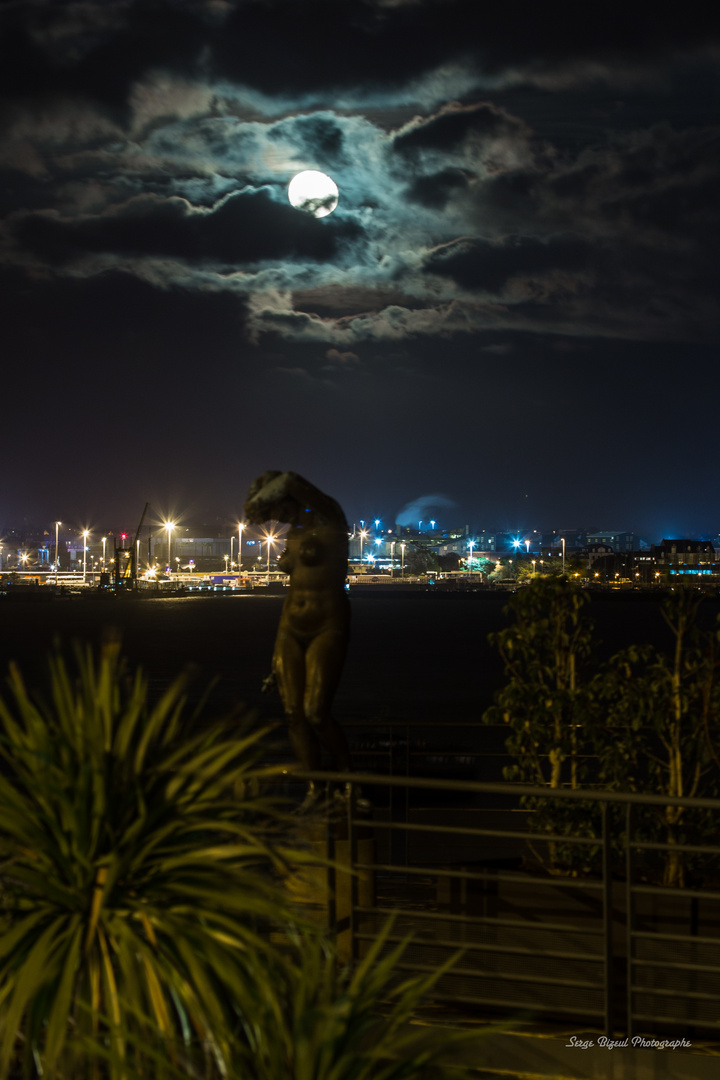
(270, 540)
(363, 536)
(533, 566)
(104, 541)
(169, 525)
(57, 526)
(241, 526)
(402, 561)
(471, 545)
(563, 544)
(85, 536)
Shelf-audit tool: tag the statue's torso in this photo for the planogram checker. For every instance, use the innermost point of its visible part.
(316, 560)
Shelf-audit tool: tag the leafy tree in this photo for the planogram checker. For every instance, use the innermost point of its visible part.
(450, 562)
(643, 722)
(659, 725)
(504, 567)
(420, 560)
(546, 704)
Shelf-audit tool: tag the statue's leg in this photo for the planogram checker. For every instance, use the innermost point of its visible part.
(289, 666)
(323, 666)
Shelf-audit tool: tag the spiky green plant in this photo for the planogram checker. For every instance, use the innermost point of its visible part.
(316, 1020)
(133, 881)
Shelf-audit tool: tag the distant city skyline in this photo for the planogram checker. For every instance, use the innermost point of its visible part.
(220, 525)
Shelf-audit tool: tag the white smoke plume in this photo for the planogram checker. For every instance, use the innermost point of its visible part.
(420, 509)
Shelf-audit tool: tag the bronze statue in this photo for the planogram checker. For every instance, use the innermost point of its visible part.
(314, 627)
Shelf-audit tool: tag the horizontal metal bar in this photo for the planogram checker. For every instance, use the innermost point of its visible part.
(407, 826)
(435, 871)
(501, 976)
(680, 995)
(477, 946)
(477, 920)
(480, 787)
(671, 890)
(684, 938)
(674, 965)
(516, 1006)
(704, 849)
(685, 1021)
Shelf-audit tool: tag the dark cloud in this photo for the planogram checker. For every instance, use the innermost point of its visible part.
(487, 265)
(455, 123)
(434, 191)
(247, 227)
(320, 135)
(92, 52)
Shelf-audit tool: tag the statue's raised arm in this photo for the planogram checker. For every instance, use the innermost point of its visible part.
(315, 622)
(287, 496)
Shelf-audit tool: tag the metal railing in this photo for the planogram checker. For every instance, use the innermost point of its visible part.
(608, 948)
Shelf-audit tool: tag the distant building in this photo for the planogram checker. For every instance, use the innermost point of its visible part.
(681, 556)
(618, 541)
(597, 551)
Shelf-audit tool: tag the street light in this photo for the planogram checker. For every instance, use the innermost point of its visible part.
(170, 526)
(533, 566)
(471, 545)
(562, 539)
(57, 526)
(241, 526)
(85, 536)
(270, 540)
(363, 536)
(402, 560)
(104, 541)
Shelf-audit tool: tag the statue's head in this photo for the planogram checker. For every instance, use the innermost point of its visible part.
(268, 500)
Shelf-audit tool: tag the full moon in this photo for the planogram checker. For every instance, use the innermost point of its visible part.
(313, 191)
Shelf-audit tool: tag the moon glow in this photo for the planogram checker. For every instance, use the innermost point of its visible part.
(313, 192)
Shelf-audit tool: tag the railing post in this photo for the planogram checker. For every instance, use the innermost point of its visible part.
(629, 917)
(607, 920)
(331, 873)
(354, 882)
(407, 795)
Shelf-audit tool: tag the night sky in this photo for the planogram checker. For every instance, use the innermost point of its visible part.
(512, 313)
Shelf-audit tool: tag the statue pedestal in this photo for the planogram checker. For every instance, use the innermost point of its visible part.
(310, 886)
